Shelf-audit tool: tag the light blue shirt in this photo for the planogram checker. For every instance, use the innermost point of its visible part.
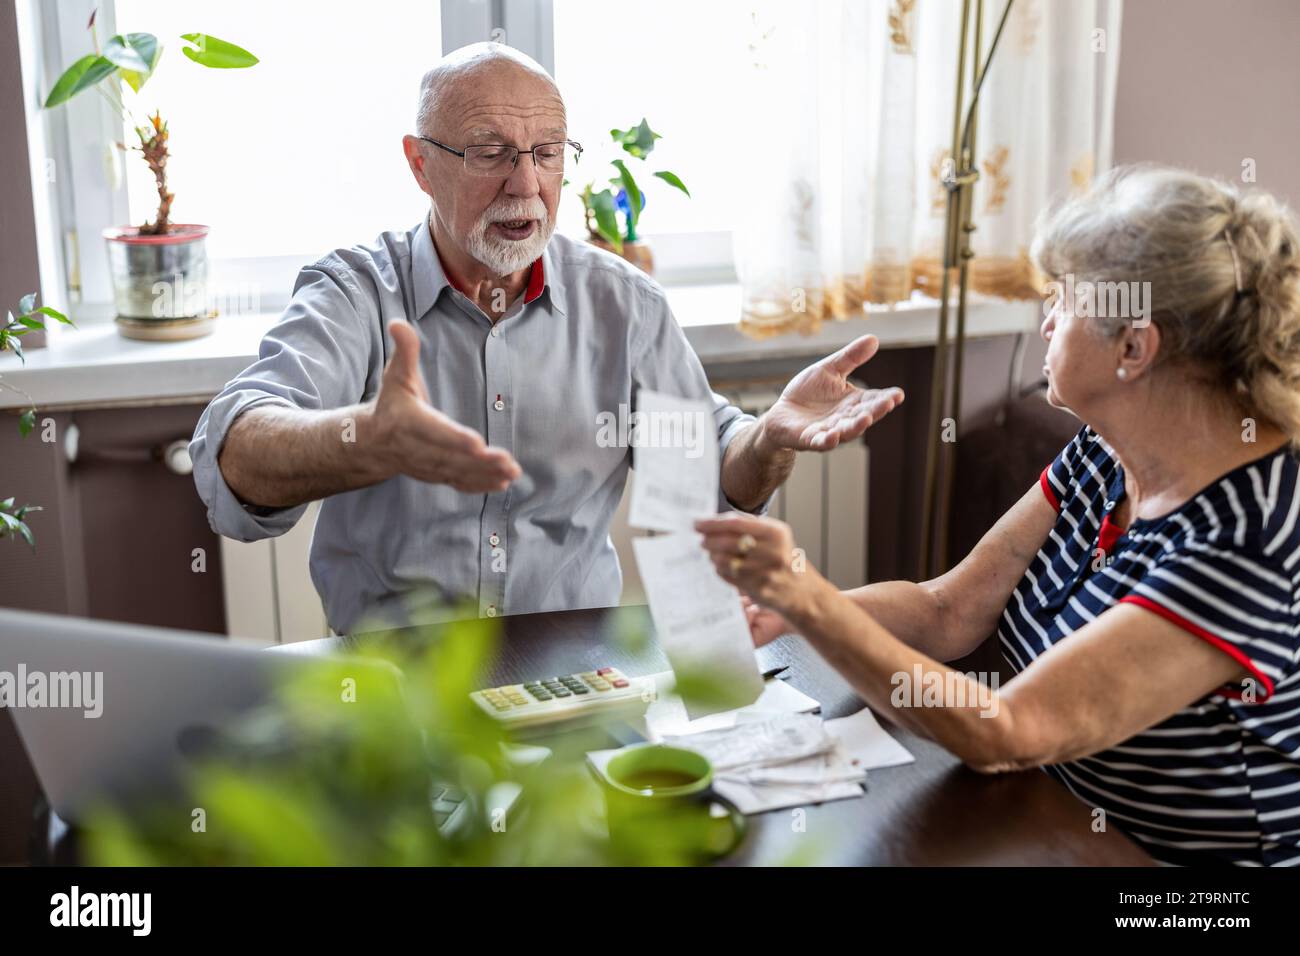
(590, 333)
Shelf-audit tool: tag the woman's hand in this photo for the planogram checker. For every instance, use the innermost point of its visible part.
(765, 625)
(758, 556)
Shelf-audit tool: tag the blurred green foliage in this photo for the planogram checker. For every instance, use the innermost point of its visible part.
(339, 771)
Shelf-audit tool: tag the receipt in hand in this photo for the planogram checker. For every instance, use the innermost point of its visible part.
(675, 457)
(700, 624)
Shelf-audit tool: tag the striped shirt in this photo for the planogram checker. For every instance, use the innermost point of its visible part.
(1219, 781)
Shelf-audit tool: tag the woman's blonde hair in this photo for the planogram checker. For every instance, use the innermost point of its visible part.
(1224, 271)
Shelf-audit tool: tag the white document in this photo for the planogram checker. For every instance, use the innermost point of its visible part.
(788, 760)
(700, 624)
(667, 716)
(675, 456)
(779, 740)
(866, 743)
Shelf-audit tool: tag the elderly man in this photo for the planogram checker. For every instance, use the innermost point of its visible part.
(440, 388)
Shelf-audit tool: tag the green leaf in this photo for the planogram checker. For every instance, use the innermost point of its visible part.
(54, 314)
(672, 180)
(215, 53)
(632, 189)
(31, 323)
(605, 210)
(638, 141)
(82, 75)
(14, 524)
(122, 52)
(26, 304)
(26, 422)
(147, 49)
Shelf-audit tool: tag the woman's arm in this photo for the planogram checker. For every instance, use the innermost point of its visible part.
(945, 618)
(951, 615)
(1123, 672)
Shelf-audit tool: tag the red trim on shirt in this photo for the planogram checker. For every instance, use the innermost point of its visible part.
(536, 281)
(1047, 489)
(1110, 533)
(1231, 650)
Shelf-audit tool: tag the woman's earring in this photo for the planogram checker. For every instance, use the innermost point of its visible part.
(1121, 373)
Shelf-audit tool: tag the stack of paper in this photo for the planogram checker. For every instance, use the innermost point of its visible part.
(794, 759)
(773, 753)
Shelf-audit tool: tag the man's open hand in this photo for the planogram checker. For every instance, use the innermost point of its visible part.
(421, 442)
(820, 408)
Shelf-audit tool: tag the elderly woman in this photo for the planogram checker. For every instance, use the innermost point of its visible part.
(1145, 591)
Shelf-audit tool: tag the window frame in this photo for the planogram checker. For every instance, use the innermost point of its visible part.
(78, 204)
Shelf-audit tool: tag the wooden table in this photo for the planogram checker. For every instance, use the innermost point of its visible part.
(931, 812)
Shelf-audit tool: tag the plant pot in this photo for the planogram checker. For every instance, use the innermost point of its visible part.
(637, 253)
(160, 283)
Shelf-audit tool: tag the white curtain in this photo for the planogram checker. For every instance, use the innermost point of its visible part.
(853, 104)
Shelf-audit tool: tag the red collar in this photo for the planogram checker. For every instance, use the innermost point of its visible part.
(536, 280)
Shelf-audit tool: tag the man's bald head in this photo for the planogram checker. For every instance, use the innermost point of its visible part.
(477, 62)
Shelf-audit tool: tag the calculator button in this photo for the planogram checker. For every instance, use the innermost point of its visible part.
(579, 689)
(604, 670)
(622, 682)
(562, 693)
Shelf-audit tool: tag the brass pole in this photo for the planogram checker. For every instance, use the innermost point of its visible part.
(939, 370)
(964, 255)
(958, 226)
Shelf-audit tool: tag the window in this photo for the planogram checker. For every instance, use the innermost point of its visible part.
(300, 154)
(682, 65)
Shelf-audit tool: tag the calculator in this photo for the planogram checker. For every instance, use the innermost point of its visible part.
(567, 700)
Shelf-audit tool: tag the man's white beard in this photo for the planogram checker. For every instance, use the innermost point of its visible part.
(506, 256)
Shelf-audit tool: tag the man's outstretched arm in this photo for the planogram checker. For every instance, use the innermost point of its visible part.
(276, 456)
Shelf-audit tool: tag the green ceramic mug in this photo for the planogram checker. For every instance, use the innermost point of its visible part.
(661, 807)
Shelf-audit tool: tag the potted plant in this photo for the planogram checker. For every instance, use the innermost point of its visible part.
(160, 256)
(611, 216)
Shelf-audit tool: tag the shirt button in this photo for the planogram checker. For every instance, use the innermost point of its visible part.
(491, 610)
(494, 540)
(499, 405)
(496, 332)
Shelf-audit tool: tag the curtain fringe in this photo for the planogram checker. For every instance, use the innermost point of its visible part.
(768, 315)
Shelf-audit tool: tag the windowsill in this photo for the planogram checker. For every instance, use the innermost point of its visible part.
(93, 365)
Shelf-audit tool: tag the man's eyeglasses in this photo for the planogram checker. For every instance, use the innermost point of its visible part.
(502, 160)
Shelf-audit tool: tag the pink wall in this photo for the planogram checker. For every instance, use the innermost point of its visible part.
(1205, 84)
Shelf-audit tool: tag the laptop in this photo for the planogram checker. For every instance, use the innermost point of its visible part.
(110, 711)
